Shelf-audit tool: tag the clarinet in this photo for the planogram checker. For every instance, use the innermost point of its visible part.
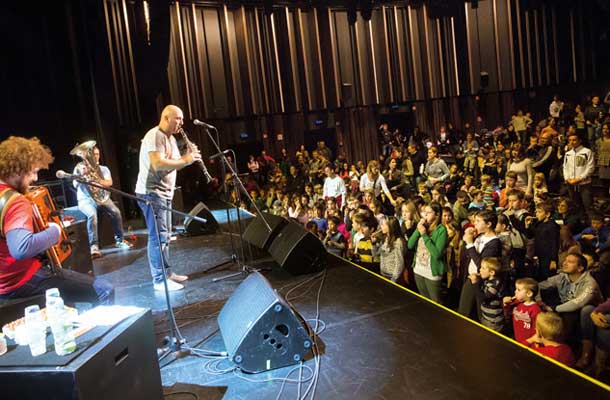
(189, 146)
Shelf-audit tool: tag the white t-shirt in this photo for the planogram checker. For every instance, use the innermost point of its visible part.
(81, 190)
(151, 181)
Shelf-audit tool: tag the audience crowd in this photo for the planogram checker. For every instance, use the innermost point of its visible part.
(507, 226)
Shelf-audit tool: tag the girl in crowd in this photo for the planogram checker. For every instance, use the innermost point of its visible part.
(297, 210)
(539, 188)
(429, 241)
(409, 218)
(392, 250)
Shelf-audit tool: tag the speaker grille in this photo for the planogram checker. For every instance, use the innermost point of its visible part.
(249, 302)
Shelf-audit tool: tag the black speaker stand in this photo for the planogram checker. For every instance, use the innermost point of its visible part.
(238, 188)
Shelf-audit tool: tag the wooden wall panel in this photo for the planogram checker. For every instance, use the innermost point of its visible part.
(232, 61)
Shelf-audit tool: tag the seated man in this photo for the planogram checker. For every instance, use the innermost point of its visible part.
(22, 273)
(89, 206)
(575, 287)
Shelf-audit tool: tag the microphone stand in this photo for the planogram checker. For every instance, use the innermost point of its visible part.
(237, 185)
(175, 339)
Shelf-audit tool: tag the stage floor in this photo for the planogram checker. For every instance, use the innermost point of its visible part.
(379, 341)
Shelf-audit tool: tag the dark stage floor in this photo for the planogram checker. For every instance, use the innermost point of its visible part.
(379, 341)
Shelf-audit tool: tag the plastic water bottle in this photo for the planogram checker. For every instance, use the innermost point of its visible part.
(61, 326)
(36, 330)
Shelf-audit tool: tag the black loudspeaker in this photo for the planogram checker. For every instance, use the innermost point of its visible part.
(80, 258)
(260, 329)
(195, 228)
(258, 234)
(298, 251)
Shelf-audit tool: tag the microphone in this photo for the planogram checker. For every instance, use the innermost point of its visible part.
(225, 152)
(200, 123)
(61, 174)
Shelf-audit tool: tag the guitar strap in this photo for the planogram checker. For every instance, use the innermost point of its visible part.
(6, 197)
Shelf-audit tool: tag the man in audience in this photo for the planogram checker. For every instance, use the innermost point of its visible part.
(334, 186)
(578, 167)
(575, 288)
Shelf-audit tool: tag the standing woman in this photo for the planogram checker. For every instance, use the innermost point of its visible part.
(436, 171)
(429, 241)
(254, 168)
(392, 249)
(486, 244)
(373, 180)
(522, 167)
(392, 175)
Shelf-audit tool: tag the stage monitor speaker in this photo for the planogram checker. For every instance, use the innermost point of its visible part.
(257, 233)
(80, 258)
(260, 329)
(195, 228)
(298, 251)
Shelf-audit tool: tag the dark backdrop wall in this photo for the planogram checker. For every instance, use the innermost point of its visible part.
(268, 77)
(102, 69)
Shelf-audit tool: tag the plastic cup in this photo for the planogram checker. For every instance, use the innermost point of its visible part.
(36, 331)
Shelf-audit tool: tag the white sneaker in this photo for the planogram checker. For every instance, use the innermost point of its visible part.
(171, 286)
(95, 251)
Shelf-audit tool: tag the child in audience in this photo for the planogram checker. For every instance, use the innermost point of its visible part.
(392, 249)
(368, 197)
(312, 228)
(318, 192)
(539, 188)
(477, 202)
(270, 198)
(320, 220)
(355, 233)
(377, 209)
(546, 340)
(422, 190)
(460, 207)
(503, 230)
(439, 195)
(334, 241)
(510, 183)
(309, 193)
(490, 197)
(545, 233)
(489, 294)
(366, 255)
(524, 308)
(468, 179)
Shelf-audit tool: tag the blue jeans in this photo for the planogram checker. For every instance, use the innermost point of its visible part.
(89, 207)
(589, 331)
(73, 286)
(157, 220)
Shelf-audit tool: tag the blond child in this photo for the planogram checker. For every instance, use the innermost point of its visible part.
(546, 340)
(490, 285)
(539, 188)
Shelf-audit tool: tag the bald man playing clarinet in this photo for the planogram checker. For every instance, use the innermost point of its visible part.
(160, 159)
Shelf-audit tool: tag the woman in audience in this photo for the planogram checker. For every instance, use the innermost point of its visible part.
(435, 171)
(373, 180)
(522, 167)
